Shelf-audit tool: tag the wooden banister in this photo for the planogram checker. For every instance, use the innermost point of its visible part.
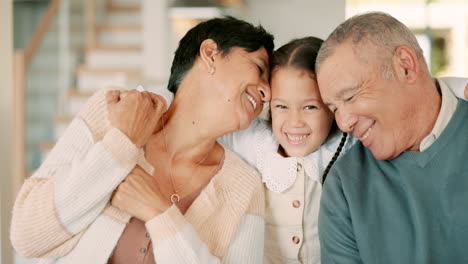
(19, 144)
(41, 30)
(91, 21)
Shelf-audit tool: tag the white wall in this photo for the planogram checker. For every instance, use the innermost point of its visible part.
(285, 19)
(418, 16)
(6, 124)
(288, 19)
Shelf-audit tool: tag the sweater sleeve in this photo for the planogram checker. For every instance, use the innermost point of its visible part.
(337, 240)
(244, 142)
(176, 241)
(73, 185)
(458, 86)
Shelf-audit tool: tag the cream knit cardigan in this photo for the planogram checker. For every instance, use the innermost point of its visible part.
(62, 213)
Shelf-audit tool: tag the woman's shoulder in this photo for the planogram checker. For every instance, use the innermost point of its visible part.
(234, 164)
(95, 114)
(237, 181)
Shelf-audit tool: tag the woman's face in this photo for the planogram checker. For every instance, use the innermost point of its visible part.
(300, 120)
(241, 86)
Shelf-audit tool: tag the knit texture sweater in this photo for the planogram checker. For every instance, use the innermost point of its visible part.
(62, 213)
(412, 209)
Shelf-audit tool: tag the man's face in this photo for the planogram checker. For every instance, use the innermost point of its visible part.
(374, 110)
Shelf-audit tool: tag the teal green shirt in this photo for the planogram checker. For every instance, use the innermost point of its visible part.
(412, 209)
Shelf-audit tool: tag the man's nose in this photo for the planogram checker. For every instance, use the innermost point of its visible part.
(345, 120)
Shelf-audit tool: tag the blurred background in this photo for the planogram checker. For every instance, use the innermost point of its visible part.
(55, 53)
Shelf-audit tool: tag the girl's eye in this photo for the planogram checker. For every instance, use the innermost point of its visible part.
(310, 107)
(281, 106)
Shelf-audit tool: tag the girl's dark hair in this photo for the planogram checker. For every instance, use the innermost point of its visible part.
(335, 156)
(302, 54)
(227, 32)
(299, 53)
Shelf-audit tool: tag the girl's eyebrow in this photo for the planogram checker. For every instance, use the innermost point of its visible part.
(302, 102)
(276, 100)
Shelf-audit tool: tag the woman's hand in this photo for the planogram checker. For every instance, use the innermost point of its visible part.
(135, 113)
(139, 195)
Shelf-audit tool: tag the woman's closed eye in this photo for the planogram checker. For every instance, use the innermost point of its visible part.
(260, 69)
(347, 99)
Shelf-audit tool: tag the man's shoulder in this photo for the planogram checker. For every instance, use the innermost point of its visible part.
(356, 155)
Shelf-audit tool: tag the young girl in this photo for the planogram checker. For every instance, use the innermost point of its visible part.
(294, 152)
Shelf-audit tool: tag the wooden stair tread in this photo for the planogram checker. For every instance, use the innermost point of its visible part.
(63, 119)
(124, 8)
(133, 73)
(75, 92)
(119, 27)
(105, 47)
(46, 146)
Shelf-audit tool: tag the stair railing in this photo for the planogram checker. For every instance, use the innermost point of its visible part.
(22, 60)
(57, 19)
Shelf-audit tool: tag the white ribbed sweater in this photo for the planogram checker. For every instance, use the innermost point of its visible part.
(62, 213)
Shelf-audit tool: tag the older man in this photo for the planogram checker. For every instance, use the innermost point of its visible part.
(400, 195)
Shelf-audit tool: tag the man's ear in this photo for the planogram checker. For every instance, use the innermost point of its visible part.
(208, 50)
(406, 64)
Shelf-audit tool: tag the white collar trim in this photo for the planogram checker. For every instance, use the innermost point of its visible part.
(279, 173)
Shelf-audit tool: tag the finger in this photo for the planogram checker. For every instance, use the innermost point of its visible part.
(112, 97)
(123, 94)
(146, 94)
(149, 99)
(134, 94)
(159, 102)
(137, 169)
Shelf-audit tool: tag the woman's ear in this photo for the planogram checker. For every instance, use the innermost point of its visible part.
(406, 64)
(208, 50)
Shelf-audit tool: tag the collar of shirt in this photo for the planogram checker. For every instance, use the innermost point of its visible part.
(279, 173)
(449, 104)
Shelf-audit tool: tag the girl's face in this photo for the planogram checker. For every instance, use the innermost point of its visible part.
(300, 120)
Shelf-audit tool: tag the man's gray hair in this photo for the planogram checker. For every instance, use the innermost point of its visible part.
(380, 29)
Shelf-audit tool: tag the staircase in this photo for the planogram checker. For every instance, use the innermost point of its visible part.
(116, 58)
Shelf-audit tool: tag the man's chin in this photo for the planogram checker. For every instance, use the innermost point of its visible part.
(380, 155)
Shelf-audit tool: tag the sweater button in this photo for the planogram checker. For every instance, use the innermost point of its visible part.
(296, 240)
(299, 167)
(143, 250)
(296, 203)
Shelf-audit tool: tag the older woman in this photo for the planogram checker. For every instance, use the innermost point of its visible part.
(128, 184)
